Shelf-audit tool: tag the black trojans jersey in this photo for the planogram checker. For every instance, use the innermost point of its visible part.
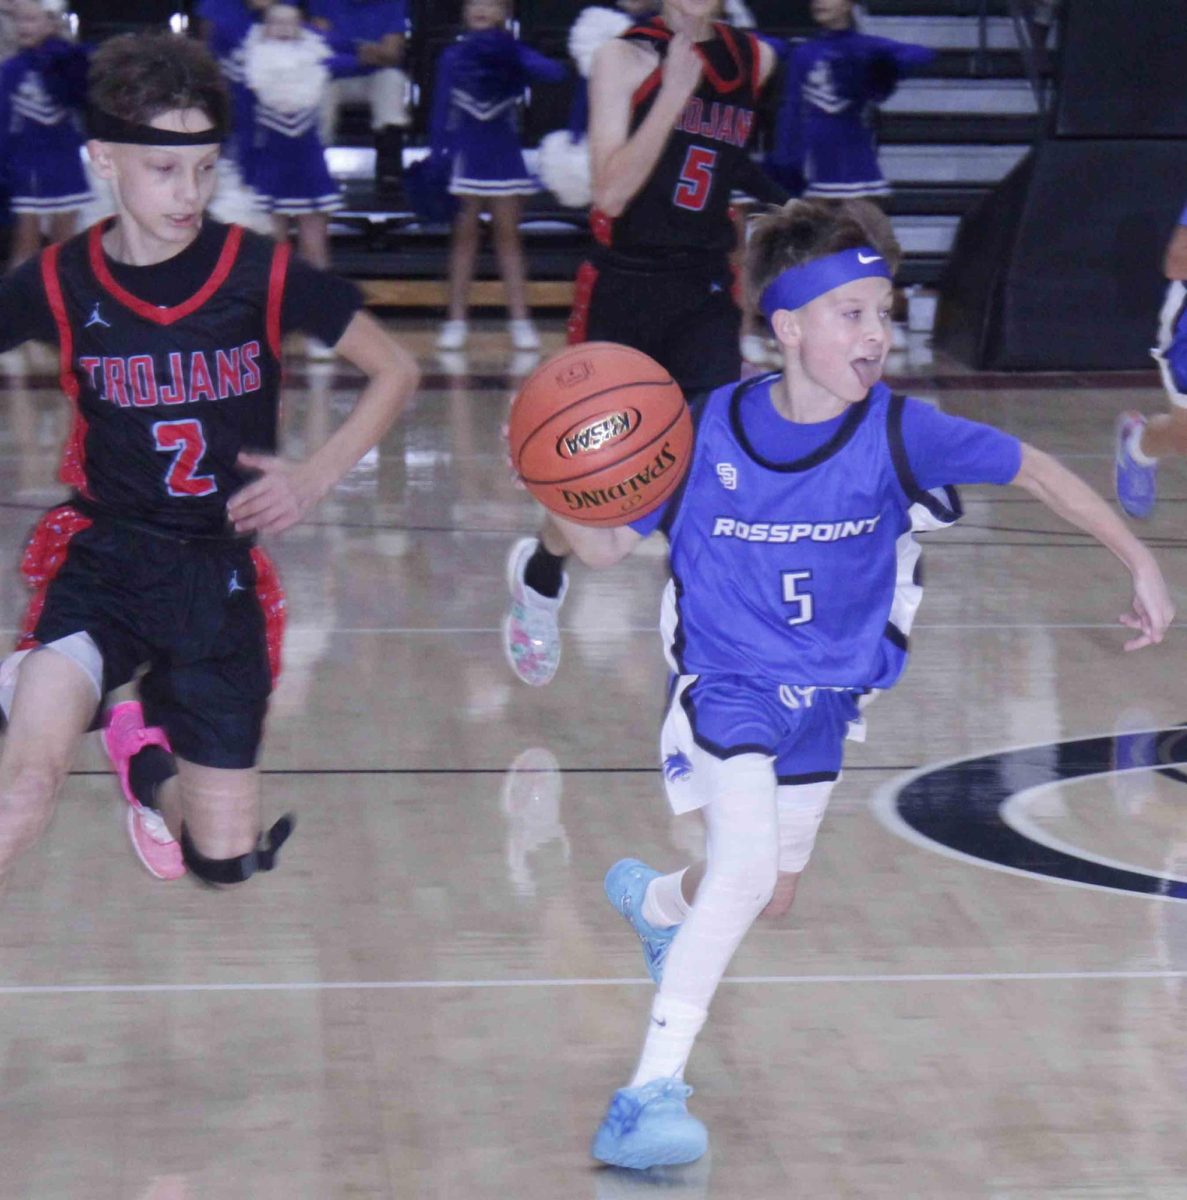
(166, 398)
(684, 205)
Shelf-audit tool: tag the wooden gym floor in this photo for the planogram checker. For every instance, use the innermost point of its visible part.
(980, 993)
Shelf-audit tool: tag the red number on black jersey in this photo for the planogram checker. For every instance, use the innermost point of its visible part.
(186, 441)
(696, 178)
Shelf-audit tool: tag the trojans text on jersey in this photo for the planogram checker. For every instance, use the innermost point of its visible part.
(722, 122)
(186, 378)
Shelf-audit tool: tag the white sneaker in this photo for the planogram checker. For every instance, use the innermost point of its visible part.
(523, 335)
(531, 637)
(453, 335)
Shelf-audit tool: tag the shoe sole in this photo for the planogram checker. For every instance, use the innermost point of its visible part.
(641, 1160)
(131, 823)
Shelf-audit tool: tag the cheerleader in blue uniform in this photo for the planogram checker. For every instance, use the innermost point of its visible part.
(224, 25)
(480, 84)
(288, 67)
(824, 139)
(42, 91)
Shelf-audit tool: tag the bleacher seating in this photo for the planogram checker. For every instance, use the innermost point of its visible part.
(947, 138)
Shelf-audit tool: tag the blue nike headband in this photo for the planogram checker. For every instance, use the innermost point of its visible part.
(796, 286)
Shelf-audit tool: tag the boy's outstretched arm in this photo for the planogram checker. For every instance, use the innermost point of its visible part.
(598, 547)
(1068, 496)
(286, 491)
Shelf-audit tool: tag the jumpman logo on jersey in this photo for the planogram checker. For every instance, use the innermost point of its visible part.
(96, 319)
(234, 585)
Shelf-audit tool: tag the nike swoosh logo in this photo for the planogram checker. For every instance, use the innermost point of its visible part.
(861, 258)
(662, 1024)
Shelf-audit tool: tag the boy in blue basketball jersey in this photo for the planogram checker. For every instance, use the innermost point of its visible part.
(792, 592)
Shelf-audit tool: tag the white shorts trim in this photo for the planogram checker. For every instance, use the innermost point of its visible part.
(51, 205)
(872, 187)
(296, 208)
(79, 647)
(495, 187)
(1172, 305)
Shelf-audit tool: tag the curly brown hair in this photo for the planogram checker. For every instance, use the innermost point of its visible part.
(139, 76)
(803, 230)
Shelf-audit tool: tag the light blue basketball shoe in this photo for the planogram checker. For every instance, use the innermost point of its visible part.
(650, 1126)
(1137, 484)
(626, 884)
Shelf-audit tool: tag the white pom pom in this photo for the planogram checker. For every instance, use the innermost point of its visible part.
(738, 15)
(563, 166)
(287, 75)
(591, 31)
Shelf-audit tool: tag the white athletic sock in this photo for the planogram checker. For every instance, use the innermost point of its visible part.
(664, 904)
(671, 1031)
(1134, 445)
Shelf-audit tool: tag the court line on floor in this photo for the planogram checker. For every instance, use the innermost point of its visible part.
(849, 767)
(594, 631)
(412, 985)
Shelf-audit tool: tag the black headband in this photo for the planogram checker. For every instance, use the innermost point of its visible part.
(105, 127)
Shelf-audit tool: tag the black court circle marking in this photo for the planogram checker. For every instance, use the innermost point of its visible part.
(957, 808)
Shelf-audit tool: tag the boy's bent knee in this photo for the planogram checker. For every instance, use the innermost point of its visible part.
(220, 872)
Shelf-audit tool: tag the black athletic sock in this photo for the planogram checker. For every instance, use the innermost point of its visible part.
(147, 771)
(544, 572)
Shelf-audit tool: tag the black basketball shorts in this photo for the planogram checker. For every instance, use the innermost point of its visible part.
(685, 319)
(200, 614)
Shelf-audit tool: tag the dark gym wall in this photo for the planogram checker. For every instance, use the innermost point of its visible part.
(1060, 267)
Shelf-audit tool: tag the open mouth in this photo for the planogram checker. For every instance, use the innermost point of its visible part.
(868, 370)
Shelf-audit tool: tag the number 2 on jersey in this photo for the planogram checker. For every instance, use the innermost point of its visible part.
(186, 441)
(696, 178)
(802, 600)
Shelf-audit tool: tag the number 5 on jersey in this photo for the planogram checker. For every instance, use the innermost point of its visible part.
(186, 441)
(801, 600)
(696, 178)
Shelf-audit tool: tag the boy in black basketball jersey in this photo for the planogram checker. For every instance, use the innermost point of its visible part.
(672, 110)
(169, 327)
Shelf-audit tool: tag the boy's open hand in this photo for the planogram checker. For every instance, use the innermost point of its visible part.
(683, 67)
(277, 500)
(1152, 609)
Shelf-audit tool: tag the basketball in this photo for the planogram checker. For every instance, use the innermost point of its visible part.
(600, 434)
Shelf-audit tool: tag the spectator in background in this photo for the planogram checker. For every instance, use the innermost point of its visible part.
(374, 32)
(223, 25)
(1140, 443)
(8, 46)
(824, 141)
(478, 91)
(42, 94)
(287, 67)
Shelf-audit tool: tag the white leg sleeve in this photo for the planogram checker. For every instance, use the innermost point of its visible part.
(80, 648)
(741, 866)
(801, 809)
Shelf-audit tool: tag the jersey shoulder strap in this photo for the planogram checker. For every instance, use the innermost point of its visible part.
(697, 409)
(942, 505)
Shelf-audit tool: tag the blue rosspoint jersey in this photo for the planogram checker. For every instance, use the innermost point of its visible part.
(803, 572)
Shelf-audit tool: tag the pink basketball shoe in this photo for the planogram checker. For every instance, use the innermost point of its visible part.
(124, 736)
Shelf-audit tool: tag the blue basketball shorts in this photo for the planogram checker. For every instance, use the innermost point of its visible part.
(713, 718)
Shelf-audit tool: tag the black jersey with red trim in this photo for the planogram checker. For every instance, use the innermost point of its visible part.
(684, 205)
(165, 399)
